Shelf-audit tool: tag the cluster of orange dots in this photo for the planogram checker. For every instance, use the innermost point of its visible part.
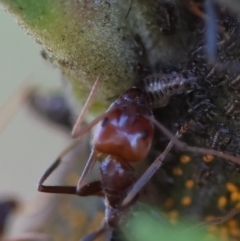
(189, 184)
(184, 159)
(173, 215)
(234, 196)
(225, 231)
(229, 229)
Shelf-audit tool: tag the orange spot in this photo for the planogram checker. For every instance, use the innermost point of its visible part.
(231, 187)
(237, 205)
(184, 159)
(234, 196)
(177, 171)
(234, 232)
(173, 216)
(212, 229)
(209, 217)
(232, 224)
(189, 184)
(222, 202)
(223, 232)
(186, 201)
(168, 203)
(208, 158)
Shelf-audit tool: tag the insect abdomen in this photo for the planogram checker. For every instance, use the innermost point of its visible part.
(161, 87)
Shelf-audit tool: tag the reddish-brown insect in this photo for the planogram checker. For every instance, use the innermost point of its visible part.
(124, 133)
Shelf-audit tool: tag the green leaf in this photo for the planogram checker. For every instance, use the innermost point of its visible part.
(153, 227)
(84, 38)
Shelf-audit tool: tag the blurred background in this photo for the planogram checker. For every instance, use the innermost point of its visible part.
(24, 153)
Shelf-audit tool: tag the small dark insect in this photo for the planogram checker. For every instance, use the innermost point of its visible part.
(53, 107)
(220, 135)
(202, 174)
(160, 87)
(199, 107)
(232, 108)
(124, 133)
(235, 83)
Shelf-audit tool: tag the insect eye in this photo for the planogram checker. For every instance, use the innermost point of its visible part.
(144, 134)
(104, 121)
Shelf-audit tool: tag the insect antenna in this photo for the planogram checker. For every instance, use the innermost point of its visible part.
(88, 102)
(85, 129)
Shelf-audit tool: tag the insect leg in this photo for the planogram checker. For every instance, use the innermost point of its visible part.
(215, 221)
(93, 188)
(155, 165)
(185, 147)
(148, 173)
(221, 219)
(87, 169)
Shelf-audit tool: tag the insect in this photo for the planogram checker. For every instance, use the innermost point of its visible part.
(220, 135)
(124, 133)
(160, 87)
(197, 109)
(232, 108)
(234, 82)
(53, 108)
